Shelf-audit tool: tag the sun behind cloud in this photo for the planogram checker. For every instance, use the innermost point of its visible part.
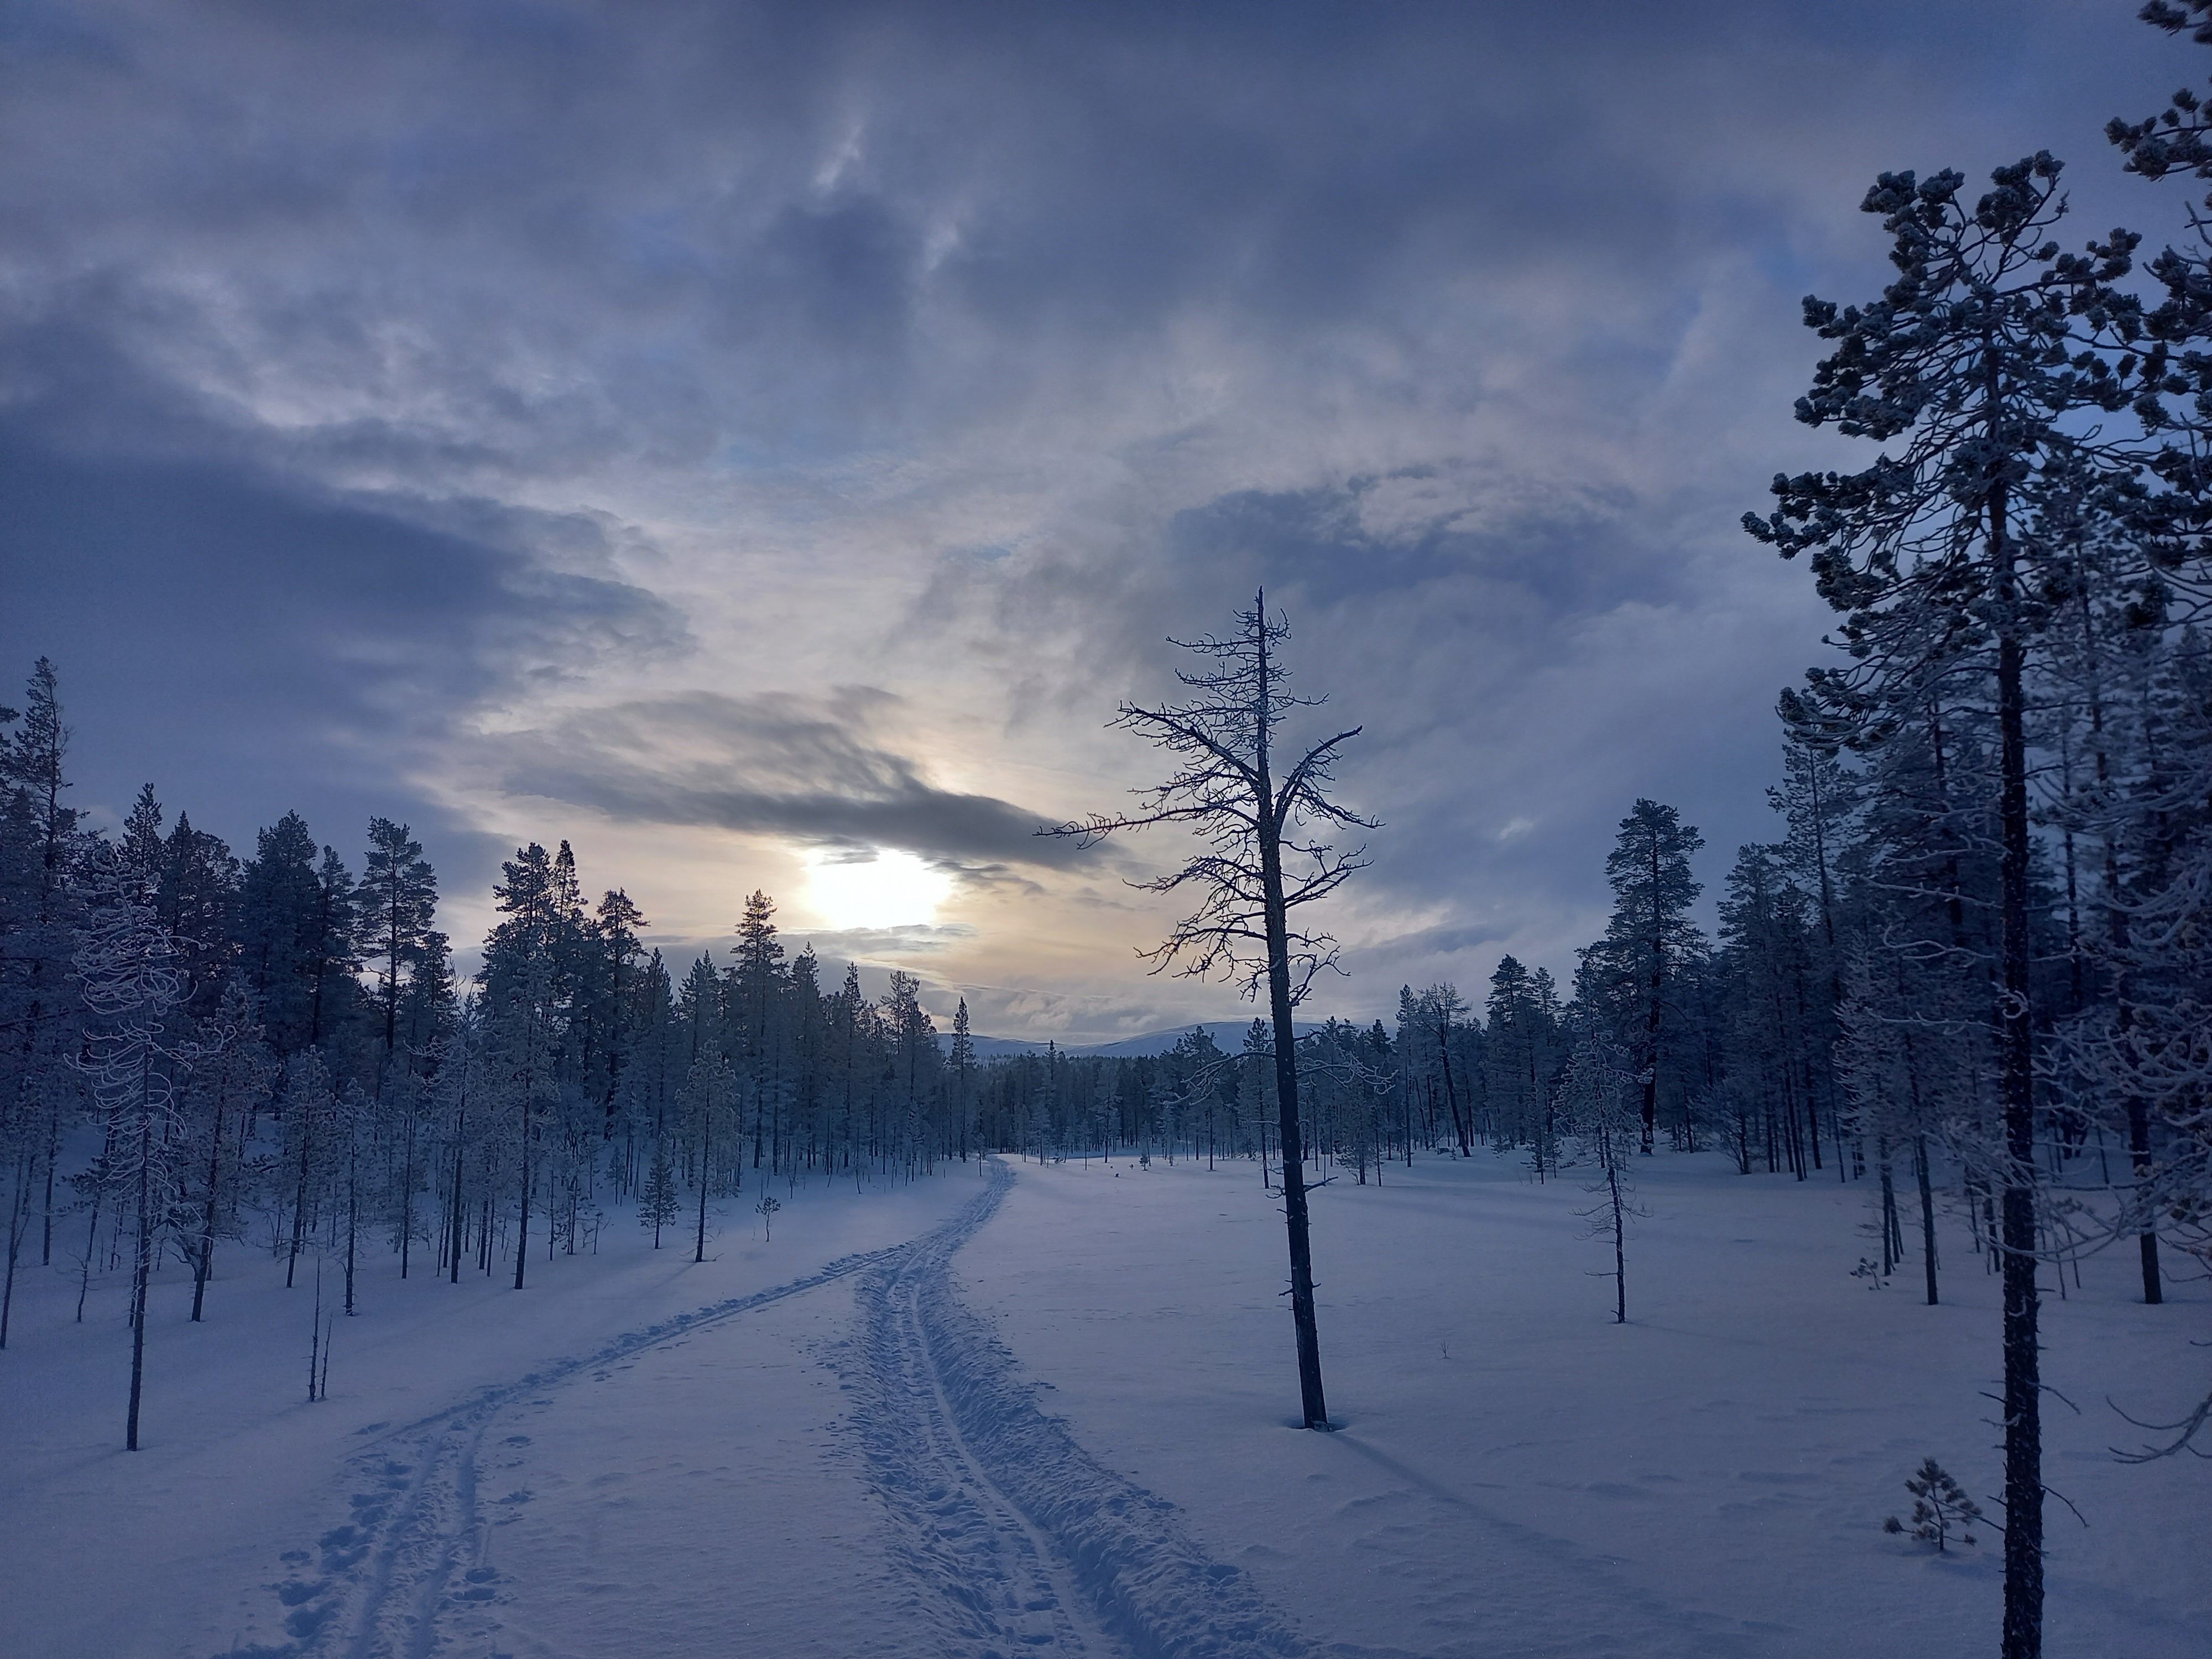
(879, 887)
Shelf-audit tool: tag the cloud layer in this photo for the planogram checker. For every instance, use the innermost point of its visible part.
(716, 432)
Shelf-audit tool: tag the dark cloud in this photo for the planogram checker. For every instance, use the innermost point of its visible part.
(777, 765)
(253, 641)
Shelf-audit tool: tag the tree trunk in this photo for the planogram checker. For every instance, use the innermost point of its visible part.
(1313, 1404)
(53, 1153)
(1451, 1094)
(142, 1270)
(706, 1150)
(407, 1195)
(2023, 1393)
(18, 1216)
(300, 1209)
(1888, 1203)
(1927, 1215)
(522, 1225)
(460, 1216)
(1619, 1244)
(205, 1266)
(353, 1215)
(1651, 1010)
(2146, 1242)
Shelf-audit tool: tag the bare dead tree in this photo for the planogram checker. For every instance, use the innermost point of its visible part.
(1251, 826)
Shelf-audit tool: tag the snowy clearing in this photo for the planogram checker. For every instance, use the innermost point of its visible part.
(1046, 1409)
(1518, 1475)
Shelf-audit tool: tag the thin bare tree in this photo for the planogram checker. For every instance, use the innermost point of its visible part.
(1251, 824)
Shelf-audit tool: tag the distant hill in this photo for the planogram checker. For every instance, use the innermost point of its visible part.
(1228, 1034)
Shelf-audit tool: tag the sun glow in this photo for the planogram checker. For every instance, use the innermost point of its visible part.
(881, 888)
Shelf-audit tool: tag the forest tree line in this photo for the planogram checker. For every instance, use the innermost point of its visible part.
(276, 1047)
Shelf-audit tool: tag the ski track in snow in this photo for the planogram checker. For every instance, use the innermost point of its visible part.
(1009, 1537)
(406, 1573)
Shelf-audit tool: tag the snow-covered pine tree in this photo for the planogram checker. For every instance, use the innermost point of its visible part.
(756, 1007)
(528, 990)
(1650, 939)
(1778, 1011)
(615, 924)
(397, 903)
(1976, 354)
(132, 983)
(960, 1068)
(1521, 1056)
(276, 917)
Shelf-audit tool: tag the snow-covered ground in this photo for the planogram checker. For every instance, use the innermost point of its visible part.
(1047, 1409)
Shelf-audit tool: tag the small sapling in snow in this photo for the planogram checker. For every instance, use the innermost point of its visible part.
(766, 1210)
(658, 1200)
(1940, 1508)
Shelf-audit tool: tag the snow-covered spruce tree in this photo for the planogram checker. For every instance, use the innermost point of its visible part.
(278, 922)
(916, 1058)
(194, 898)
(960, 1072)
(755, 1004)
(1648, 946)
(128, 969)
(1976, 355)
(1266, 854)
(529, 986)
(625, 1016)
(1776, 1006)
(398, 901)
(332, 952)
(1521, 1057)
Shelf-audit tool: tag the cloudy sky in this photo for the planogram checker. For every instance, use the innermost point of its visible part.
(760, 444)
